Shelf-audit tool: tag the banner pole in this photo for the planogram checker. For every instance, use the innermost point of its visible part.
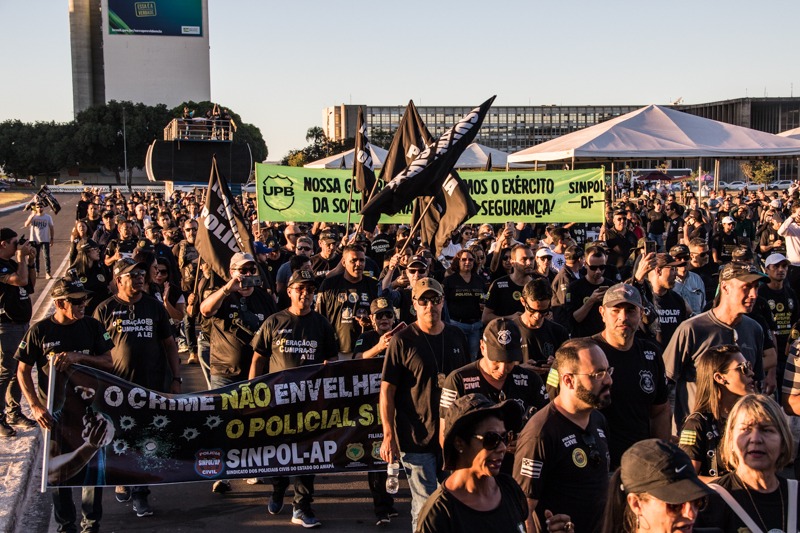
(349, 203)
(419, 221)
(371, 193)
(51, 385)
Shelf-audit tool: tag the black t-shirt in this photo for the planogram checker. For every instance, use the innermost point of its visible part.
(417, 364)
(321, 266)
(541, 343)
(619, 245)
(504, 297)
(577, 294)
(768, 237)
(126, 248)
(289, 340)
(564, 466)
(639, 383)
(95, 279)
(783, 306)
(674, 232)
(15, 302)
(380, 246)
(701, 438)
(724, 243)
(367, 340)
(47, 337)
(444, 513)
(137, 331)
(656, 222)
(337, 300)
(232, 330)
(769, 507)
(671, 309)
(463, 299)
(522, 384)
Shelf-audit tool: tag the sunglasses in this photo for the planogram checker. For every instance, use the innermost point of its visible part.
(595, 268)
(384, 314)
(303, 249)
(533, 311)
(415, 270)
(507, 258)
(77, 301)
(134, 274)
(251, 270)
(699, 504)
(162, 272)
(425, 300)
(467, 260)
(700, 254)
(745, 367)
(491, 440)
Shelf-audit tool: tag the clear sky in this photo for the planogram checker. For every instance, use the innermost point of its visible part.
(278, 64)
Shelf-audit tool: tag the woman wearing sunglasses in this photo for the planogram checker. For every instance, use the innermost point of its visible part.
(753, 496)
(90, 270)
(655, 490)
(723, 376)
(476, 496)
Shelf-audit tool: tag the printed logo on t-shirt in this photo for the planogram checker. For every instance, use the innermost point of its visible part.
(646, 381)
(516, 295)
(579, 458)
(650, 355)
(502, 284)
(569, 440)
(531, 468)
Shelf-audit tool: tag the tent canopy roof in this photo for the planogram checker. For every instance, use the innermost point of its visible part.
(656, 132)
(335, 161)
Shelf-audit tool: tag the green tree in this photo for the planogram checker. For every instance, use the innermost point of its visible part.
(381, 138)
(31, 149)
(759, 172)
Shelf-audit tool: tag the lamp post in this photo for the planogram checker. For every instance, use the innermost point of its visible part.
(125, 151)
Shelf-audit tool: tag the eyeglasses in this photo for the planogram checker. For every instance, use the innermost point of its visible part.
(599, 375)
(491, 440)
(506, 258)
(700, 504)
(249, 270)
(77, 301)
(745, 367)
(467, 260)
(303, 248)
(595, 268)
(415, 270)
(384, 314)
(545, 258)
(293, 234)
(425, 300)
(591, 443)
(134, 274)
(700, 254)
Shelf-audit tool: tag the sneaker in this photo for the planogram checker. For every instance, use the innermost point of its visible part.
(221, 487)
(20, 420)
(48, 276)
(275, 504)
(393, 513)
(5, 429)
(305, 518)
(193, 359)
(122, 494)
(142, 508)
(383, 519)
(255, 481)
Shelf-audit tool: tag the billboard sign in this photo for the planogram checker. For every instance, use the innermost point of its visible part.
(156, 17)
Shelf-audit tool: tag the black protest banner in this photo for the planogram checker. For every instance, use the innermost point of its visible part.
(450, 208)
(221, 230)
(363, 166)
(425, 175)
(312, 419)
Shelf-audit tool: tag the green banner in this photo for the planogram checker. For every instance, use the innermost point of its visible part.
(307, 194)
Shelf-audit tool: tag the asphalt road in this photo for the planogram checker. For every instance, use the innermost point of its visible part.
(342, 503)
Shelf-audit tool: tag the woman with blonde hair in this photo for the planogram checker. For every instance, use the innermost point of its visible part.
(754, 496)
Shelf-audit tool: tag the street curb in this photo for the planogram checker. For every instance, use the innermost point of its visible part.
(13, 208)
(20, 462)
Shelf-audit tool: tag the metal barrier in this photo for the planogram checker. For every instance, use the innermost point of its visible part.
(199, 129)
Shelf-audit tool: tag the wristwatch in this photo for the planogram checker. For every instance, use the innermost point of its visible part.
(179, 380)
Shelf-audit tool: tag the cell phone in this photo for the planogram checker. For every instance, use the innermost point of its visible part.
(251, 281)
(399, 327)
(22, 240)
(649, 247)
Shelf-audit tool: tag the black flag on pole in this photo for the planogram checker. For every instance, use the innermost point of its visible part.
(363, 165)
(222, 231)
(488, 163)
(408, 142)
(426, 174)
(452, 206)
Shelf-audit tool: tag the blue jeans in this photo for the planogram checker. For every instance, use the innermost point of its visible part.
(10, 391)
(91, 509)
(473, 333)
(421, 472)
(218, 380)
(659, 241)
(46, 247)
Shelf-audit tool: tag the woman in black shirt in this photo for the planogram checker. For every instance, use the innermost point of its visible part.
(463, 291)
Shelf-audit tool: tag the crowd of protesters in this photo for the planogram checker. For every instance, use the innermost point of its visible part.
(524, 364)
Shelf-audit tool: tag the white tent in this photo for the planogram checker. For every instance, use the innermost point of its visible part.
(335, 161)
(476, 156)
(792, 134)
(656, 132)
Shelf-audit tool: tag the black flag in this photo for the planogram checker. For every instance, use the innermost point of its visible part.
(222, 231)
(363, 165)
(45, 196)
(489, 163)
(426, 174)
(408, 142)
(451, 207)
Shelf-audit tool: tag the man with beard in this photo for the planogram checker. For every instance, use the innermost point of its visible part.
(669, 305)
(339, 295)
(297, 336)
(724, 324)
(725, 241)
(124, 245)
(640, 408)
(70, 338)
(585, 294)
(145, 352)
(562, 458)
(188, 257)
(620, 241)
(504, 295)
(541, 337)
(573, 263)
(417, 361)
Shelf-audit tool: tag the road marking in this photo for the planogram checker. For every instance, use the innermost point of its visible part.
(39, 309)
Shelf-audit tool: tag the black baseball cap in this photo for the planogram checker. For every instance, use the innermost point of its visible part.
(88, 244)
(741, 271)
(301, 276)
(68, 288)
(503, 341)
(468, 407)
(679, 251)
(127, 264)
(380, 305)
(663, 470)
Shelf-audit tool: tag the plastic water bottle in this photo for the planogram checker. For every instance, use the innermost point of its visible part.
(392, 481)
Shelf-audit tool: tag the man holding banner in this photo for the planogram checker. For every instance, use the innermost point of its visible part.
(294, 337)
(69, 337)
